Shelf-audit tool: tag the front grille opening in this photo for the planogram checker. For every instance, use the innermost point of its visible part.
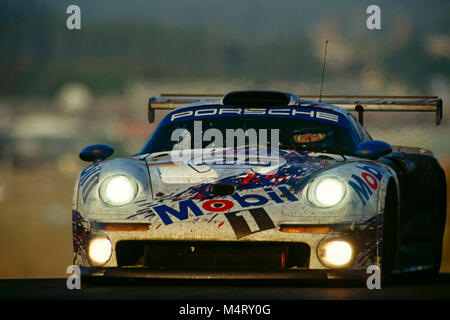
(212, 255)
(130, 253)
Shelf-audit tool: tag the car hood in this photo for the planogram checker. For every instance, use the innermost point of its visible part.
(194, 179)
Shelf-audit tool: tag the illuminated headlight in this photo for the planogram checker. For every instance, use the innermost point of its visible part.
(326, 192)
(118, 190)
(335, 253)
(99, 250)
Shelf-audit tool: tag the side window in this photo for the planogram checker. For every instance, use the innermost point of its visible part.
(357, 127)
(365, 134)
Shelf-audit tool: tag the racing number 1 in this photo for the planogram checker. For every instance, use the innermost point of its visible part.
(248, 222)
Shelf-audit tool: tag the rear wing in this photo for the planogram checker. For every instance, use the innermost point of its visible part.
(360, 104)
(172, 101)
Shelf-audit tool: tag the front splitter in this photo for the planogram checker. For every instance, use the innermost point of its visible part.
(219, 275)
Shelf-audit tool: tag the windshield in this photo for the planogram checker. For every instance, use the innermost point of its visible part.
(294, 133)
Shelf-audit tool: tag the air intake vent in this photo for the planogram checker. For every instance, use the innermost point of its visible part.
(213, 255)
(256, 98)
(222, 189)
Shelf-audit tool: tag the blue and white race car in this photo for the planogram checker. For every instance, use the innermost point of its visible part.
(261, 184)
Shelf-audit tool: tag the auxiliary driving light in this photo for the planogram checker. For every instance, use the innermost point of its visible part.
(99, 250)
(335, 253)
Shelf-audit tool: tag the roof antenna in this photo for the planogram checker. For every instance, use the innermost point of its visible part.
(323, 70)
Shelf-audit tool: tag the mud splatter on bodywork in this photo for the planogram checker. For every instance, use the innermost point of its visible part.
(369, 241)
(80, 234)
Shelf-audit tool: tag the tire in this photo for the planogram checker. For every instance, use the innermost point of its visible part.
(390, 234)
(439, 218)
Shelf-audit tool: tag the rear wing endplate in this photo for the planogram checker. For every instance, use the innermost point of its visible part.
(360, 104)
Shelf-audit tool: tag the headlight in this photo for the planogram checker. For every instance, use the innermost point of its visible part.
(326, 192)
(336, 253)
(99, 250)
(118, 190)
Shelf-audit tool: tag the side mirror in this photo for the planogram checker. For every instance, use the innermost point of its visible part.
(96, 152)
(372, 149)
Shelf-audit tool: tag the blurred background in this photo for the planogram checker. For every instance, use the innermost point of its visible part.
(61, 89)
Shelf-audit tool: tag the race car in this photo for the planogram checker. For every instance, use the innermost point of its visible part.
(261, 184)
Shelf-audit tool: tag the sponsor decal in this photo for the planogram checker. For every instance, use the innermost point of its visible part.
(89, 179)
(303, 112)
(185, 207)
(89, 172)
(217, 205)
(248, 222)
(278, 188)
(299, 112)
(366, 182)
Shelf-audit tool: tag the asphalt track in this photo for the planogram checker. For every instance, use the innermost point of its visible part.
(134, 289)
